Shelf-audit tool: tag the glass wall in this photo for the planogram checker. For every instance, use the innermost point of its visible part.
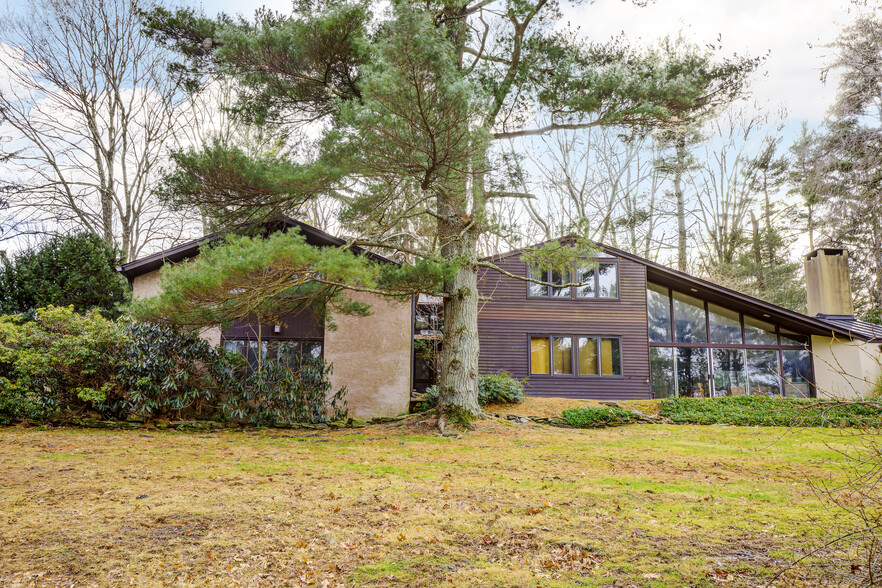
(701, 349)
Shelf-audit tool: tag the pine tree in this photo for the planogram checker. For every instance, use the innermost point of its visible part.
(409, 101)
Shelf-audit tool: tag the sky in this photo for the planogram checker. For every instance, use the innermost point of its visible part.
(791, 32)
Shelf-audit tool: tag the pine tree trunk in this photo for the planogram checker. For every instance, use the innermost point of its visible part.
(757, 253)
(458, 384)
(681, 203)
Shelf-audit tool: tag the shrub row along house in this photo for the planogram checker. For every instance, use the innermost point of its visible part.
(631, 329)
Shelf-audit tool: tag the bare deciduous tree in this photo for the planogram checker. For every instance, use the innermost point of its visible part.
(90, 106)
(605, 179)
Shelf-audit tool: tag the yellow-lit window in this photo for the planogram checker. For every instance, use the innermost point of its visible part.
(588, 356)
(611, 357)
(539, 355)
(563, 355)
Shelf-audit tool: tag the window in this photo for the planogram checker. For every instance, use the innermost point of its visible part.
(797, 372)
(600, 281)
(560, 277)
(539, 355)
(554, 276)
(757, 332)
(607, 280)
(658, 303)
(591, 356)
(287, 351)
(536, 273)
(661, 370)
(729, 372)
(725, 325)
(588, 357)
(563, 355)
(611, 357)
(763, 375)
(791, 338)
(588, 289)
(692, 372)
(689, 319)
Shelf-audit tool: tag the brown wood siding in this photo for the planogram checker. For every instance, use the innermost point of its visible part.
(507, 320)
(303, 325)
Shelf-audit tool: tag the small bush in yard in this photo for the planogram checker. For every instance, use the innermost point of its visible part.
(496, 388)
(589, 417)
(165, 371)
(291, 390)
(58, 361)
(752, 410)
(500, 388)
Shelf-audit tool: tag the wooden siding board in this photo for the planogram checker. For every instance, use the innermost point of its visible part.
(303, 325)
(506, 320)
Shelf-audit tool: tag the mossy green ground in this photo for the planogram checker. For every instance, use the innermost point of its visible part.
(505, 505)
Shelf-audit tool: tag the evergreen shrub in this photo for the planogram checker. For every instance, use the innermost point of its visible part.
(59, 363)
(753, 410)
(496, 388)
(590, 417)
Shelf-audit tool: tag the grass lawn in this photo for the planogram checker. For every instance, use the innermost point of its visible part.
(394, 505)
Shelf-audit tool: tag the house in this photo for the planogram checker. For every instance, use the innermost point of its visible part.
(636, 329)
(371, 355)
(632, 329)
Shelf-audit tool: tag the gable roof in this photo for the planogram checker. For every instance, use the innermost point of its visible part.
(845, 327)
(190, 249)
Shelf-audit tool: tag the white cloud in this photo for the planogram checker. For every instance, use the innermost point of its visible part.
(783, 28)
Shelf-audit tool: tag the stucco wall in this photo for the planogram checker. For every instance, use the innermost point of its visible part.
(147, 285)
(845, 369)
(371, 357)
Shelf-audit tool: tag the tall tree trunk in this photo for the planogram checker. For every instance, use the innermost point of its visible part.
(757, 253)
(681, 202)
(459, 354)
(458, 384)
(811, 228)
(770, 243)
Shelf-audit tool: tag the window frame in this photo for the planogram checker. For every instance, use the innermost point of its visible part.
(574, 358)
(574, 272)
(267, 341)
